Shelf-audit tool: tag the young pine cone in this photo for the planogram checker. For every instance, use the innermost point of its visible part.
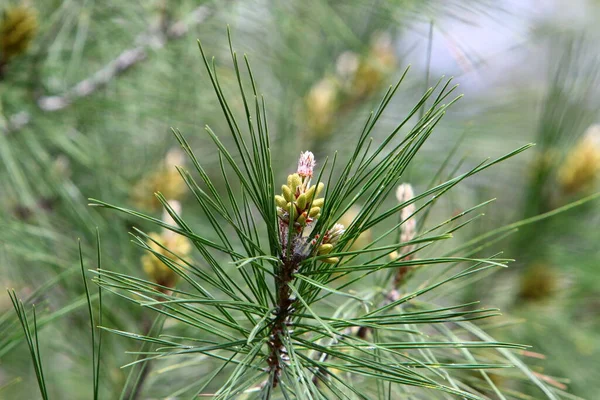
(18, 28)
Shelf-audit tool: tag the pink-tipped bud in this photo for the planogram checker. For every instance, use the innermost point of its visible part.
(306, 164)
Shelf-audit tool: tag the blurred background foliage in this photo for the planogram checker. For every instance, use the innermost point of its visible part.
(89, 89)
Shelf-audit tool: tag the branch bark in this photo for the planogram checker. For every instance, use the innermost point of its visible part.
(285, 306)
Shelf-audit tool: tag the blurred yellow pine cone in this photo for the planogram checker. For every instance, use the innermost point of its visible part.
(156, 270)
(538, 282)
(581, 167)
(321, 104)
(367, 80)
(356, 77)
(382, 51)
(374, 68)
(18, 28)
(165, 179)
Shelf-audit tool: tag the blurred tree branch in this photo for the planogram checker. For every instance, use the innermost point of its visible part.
(154, 38)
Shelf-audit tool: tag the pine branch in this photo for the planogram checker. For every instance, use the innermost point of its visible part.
(153, 39)
(278, 352)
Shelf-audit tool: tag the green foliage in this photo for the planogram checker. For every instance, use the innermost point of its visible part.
(235, 316)
(84, 113)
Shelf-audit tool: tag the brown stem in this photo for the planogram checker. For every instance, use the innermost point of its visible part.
(285, 302)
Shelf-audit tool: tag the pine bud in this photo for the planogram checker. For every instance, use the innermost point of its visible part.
(294, 204)
(406, 193)
(287, 192)
(301, 220)
(280, 201)
(306, 164)
(314, 211)
(293, 181)
(318, 202)
(320, 188)
(301, 201)
(335, 233)
(310, 193)
(324, 249)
